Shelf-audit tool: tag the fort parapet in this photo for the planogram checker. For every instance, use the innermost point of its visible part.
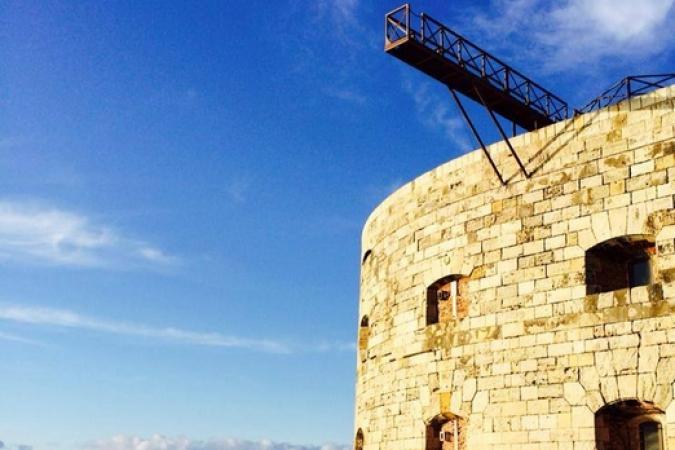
(536, 315)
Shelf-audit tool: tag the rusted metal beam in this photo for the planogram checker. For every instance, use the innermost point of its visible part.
(505, 138)
(477, 136)
(451, 59)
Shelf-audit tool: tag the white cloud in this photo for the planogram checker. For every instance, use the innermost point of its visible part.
(342, 14)
(579, 33)
(590, 31)
(346, 9)
(349, 95)
(158, 442)
(37, 234)
(68, 319)
(156, 255)
(14, 338)
(341, 23)
(434, 112)
(618, 20)
(512, 16)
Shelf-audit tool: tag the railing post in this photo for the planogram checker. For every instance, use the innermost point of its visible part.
(423, 25)
(442, 33)
(407, 20)
(386, 29)
(628, 89)
(460, 44)
(528, 91)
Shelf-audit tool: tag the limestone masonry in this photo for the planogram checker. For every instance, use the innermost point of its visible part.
(537, 315)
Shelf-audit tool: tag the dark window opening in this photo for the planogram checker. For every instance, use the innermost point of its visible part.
(650, 436)
(619, 263)
(364, 335)
(447, 299)
(366, 256)
(358, 441)
(629, 425)
(640, 272)
(446, 434)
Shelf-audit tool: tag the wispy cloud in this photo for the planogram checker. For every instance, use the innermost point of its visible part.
(579, 33)
(156, 255)
(346, 94)
(37, 234)
(14, 338)
(341, 23)
(345, 8)
(238, 188)
(15, 446)
(68, 319)
(342, 16)
(158, 442)
(62, 318)
(434, 112)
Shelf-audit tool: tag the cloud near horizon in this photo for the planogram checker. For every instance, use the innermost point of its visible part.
(159, 442)
(43, 235)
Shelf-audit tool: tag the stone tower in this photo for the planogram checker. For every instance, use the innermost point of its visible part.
(536, 315)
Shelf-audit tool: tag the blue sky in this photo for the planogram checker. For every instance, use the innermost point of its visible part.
(182, 187)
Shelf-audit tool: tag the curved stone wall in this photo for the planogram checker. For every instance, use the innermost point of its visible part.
(535, 357)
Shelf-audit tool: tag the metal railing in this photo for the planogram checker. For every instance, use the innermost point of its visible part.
(403, 23)
(628, 87)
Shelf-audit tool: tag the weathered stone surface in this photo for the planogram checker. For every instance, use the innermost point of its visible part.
(525, 358)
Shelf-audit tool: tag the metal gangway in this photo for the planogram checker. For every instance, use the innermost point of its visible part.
(429, 46)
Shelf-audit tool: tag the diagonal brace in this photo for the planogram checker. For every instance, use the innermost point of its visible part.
(501, 132)
(477, 136)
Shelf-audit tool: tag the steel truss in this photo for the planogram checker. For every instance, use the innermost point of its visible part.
(628, 87)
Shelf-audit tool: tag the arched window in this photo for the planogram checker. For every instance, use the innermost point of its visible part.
(364, 334)
(619, 263)
(447, 299)
(358, 441)
(446, 434)
(629, 425)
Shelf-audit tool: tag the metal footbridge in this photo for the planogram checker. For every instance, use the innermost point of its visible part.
(464, 68)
